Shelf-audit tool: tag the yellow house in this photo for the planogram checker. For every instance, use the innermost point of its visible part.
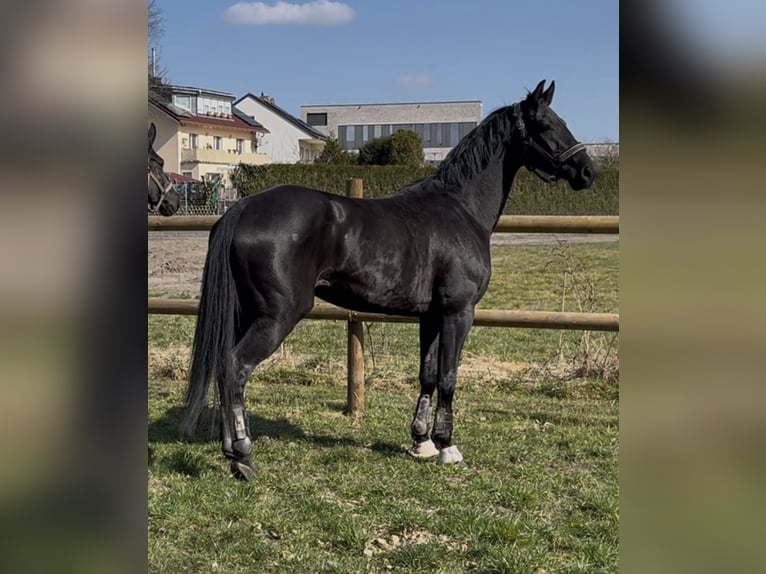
(200, 134)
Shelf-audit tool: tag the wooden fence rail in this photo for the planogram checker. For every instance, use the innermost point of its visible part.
(482, 317)
(506, 224)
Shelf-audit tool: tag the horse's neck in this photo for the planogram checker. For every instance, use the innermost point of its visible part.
(485, 194)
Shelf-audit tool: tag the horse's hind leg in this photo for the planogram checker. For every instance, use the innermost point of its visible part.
(236, 441)
(258, 343)
(423, 447)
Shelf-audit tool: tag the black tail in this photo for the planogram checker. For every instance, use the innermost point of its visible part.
(218, 309)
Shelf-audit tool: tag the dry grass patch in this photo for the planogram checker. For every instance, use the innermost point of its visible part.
(170, 362)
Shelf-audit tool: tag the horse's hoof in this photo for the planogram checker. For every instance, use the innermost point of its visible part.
(242, 470)
(451, 455)
(425, 449)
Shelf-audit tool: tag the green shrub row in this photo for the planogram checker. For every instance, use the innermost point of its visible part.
(529, 196)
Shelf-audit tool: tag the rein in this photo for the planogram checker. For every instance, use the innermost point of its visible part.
(158, 183)
(555, 160)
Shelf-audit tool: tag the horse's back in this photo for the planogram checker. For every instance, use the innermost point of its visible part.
(366, 254)
(283, 204)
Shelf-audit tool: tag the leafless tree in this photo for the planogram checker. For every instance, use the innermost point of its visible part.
(156, 29)
(156, 23)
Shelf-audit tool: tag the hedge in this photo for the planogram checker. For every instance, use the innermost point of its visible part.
(529, 196)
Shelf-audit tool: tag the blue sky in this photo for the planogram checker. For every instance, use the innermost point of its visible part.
(330, 52)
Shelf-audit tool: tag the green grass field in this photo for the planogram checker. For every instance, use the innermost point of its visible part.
(536, 419)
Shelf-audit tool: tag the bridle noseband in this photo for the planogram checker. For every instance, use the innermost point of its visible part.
(556, 160)
(158, 183)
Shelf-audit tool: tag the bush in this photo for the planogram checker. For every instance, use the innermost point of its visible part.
(529, 196)
(379, 181)
(375, 152)
(403, 147)
(334, 154)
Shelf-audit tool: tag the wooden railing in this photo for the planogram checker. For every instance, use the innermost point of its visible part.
(482, 317)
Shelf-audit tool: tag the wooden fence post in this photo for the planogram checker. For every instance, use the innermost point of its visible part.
(355, 397)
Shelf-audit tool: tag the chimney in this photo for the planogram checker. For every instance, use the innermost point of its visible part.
(267, 98)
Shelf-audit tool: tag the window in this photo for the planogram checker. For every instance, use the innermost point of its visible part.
(316, 119)
(424, 131)
(439, 135)
(182, 101)
(216, 142)
(193, 141)
(350, 133)
(377, 131)
(240, 145)
(187, 174)
(365, 134)
(454, 134)
(466, 127)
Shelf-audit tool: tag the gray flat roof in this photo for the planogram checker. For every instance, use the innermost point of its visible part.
(390, 104)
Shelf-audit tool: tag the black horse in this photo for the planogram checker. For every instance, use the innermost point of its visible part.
(422, 252)
(163, 197)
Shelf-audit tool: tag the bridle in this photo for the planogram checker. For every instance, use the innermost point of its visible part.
(556, 160)
(158, 183)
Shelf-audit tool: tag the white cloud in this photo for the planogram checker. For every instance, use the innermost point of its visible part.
(421, 81)
(318, 13)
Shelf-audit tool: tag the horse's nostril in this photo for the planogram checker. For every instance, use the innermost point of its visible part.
(586, 173)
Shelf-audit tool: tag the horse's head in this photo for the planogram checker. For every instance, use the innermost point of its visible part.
(163, 198)
(549, 148)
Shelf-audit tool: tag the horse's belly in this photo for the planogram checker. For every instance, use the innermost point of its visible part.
(384, 300)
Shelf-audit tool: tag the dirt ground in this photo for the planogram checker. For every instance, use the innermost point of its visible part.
(176, 259)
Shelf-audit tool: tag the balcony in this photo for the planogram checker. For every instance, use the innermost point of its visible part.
(200, 155)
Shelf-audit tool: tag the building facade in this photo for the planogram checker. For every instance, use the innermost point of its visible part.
(439, 124)
(289, 139)
(200, 133)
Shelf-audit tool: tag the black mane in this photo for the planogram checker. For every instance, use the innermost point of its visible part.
(472, 153)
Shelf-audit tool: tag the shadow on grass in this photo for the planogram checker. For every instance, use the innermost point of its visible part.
(166, 430)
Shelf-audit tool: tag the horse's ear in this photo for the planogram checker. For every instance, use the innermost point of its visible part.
(534, 98)
(152, 133)
(548, 94)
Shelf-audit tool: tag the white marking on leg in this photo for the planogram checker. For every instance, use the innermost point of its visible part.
(450, 455)
(239, 422)
(425, 449)
(422, 416)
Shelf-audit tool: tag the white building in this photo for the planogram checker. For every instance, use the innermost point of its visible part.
(200, 135)
(439, 124)
(290, 140)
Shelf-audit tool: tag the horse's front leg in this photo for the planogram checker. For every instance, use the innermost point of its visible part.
(454, 330)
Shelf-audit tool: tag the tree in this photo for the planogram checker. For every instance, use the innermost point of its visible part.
(334, 154)
(156, 23)
(404, 147)
(156, 29)
(375, 152)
